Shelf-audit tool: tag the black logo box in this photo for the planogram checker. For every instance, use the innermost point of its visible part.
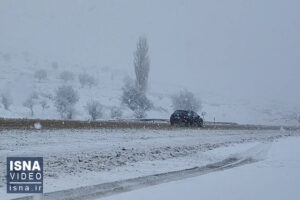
(29, 182)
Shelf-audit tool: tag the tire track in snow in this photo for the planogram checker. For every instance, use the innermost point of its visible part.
(107, 189)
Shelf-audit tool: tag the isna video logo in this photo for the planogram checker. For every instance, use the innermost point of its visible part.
(24, 175)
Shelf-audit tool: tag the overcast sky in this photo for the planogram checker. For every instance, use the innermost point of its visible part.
(249, 49)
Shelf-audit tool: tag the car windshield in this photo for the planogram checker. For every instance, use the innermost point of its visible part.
(178, 112)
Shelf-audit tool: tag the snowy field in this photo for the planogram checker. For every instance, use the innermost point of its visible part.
(19, 76)
(276, 177)
(75, 158)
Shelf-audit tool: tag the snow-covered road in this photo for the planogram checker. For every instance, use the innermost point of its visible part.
(75, 158)
(277, 177)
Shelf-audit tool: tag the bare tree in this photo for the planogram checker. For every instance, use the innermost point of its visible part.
(6, 100)
(86, 79)
(30, 102)
(65, 99)
(141, 64)
(186, 100)
(94, 109)
(135, 100)
(40, 74)
(44, 104)
(116, 112)
(66, 76)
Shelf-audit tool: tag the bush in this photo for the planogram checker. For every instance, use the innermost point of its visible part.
(86, 80)
(135, 100)
(44, 104)
(186, 100)
(94, 109)
(30, 102)
(116, 112)
(139, 113)
(6, 100)
(65, 99)
(40, 74)
(66, 76)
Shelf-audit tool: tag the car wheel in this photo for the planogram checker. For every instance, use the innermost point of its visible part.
(200, 124)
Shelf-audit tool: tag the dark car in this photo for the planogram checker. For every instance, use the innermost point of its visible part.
(186, 117)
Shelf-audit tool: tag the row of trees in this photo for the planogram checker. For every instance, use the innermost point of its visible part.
(134, 94)
(84, 78)
(64, 100)
(66, 97)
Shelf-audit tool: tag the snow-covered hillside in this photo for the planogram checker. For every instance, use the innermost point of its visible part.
(206, 47)
(19, 81)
